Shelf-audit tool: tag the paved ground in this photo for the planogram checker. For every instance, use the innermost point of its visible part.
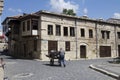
(17, 69)
(111, 69)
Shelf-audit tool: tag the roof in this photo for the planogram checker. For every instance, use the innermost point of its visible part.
(28, 15)
(37, 14)
(12, 18)
(114, 20)
(76, 17)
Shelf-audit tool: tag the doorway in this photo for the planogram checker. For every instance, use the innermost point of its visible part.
(105, 51)
(82, 51)
(119, 50)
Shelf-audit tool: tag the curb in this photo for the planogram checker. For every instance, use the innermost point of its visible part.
(114, 75)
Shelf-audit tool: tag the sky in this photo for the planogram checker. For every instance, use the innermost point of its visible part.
(92, 8)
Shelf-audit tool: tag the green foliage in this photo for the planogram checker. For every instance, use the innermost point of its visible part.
(69, 12)
(65, 11)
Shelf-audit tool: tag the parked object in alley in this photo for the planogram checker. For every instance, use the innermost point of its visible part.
(53, 55)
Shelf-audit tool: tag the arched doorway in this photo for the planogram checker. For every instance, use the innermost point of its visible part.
(82, 51)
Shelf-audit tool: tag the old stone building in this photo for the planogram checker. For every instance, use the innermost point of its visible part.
(1, 6)
(35, 35)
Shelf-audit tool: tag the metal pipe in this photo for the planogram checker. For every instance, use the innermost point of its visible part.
(115, 40)
(76, 38)
(96, 40)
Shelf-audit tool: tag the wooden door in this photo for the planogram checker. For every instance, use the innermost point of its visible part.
(105, 51)
(83, 51)
(24, 47)
(119, 50)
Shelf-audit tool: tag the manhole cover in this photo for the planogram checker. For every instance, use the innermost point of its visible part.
(23, 75)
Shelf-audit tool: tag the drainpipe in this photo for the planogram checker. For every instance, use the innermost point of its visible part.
(76, 38)
(115, 40)
(96, 40)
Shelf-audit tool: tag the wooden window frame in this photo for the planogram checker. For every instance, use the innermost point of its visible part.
(108, 34)
(82, 32)
(103, 34)
(65, 29)
(23, 26)
(72, 31)
(34, 24)
(50, 29)
(67, 45)
(58, 30)
(90, 33)
(28, 25)
(118, 34)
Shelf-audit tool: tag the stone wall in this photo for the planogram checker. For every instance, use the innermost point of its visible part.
(92, 46)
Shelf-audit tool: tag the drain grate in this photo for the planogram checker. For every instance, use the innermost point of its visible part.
(23, 75)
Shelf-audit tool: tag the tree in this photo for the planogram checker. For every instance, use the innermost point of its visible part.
(69, 12)
(65, 11)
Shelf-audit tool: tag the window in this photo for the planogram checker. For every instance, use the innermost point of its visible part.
(15, 29)
(108, 34)
(34, 24)
(118, 33)
(58, 30)
(28, 25)
(23, 25)
(82, 33)
(50, 29)
(103, 34)
(52, 45)
(90, 33)
(67, 45)
(72, 31)
(65, 31)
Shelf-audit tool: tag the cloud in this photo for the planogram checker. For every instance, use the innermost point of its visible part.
(19, 10)
(15, 10)
(11, 9)
(85, 10)
(116, 15)
(59, 5)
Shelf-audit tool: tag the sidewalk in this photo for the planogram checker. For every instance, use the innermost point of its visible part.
(112, 70)
(1, 73)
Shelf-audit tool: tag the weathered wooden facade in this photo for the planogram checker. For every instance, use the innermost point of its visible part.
(34, 35)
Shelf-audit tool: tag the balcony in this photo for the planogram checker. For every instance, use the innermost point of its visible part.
(30, 33)
(30, 28)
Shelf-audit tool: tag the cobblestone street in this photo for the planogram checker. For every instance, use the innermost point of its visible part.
(18, 69)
